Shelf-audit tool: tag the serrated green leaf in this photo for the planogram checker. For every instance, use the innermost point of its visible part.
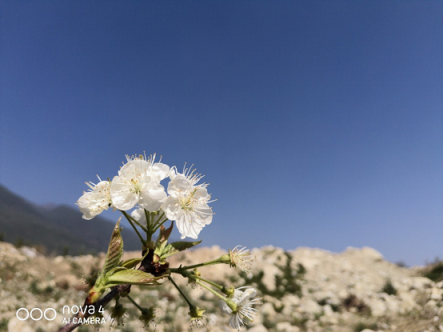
(130, 263)
(133, 277)
(176, 247)
(115, 250)
(114, 270)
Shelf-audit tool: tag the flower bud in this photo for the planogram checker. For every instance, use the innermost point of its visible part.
(197, 318)
(148, 317)
(118, 312)
(228, 291)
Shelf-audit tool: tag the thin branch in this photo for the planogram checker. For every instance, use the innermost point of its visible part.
(101, 303)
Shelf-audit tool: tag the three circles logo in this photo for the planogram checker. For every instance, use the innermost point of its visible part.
(50, 314)
(36, 314)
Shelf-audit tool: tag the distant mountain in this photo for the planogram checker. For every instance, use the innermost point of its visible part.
(56, 229)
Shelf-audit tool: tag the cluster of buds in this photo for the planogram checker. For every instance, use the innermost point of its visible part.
(137, 191)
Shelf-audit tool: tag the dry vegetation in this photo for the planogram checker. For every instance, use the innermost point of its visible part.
(303, 290)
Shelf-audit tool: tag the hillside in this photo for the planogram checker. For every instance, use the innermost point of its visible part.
(303, 290)
(57, 230)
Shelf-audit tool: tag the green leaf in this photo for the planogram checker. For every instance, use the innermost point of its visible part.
(115, 250)
(176, 247)
(133, 277)
(130, 263)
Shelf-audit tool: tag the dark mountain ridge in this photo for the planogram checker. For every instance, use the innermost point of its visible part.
(57, 229)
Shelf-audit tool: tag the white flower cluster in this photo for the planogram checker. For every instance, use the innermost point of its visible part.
(139, 183)
(244, 299)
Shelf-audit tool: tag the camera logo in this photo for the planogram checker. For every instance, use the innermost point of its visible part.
(36, 314)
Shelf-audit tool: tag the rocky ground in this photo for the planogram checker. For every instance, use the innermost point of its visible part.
(303, 290)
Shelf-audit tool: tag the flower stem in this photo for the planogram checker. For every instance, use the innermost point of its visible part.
(158, 220)
(135, 228)
(182, 294)
(210, 282)
(228, 301)
(211, 290)
(134, 303)
(148, 225)
(130, 218)
(195, 277)
(215, 261)
(159, 223)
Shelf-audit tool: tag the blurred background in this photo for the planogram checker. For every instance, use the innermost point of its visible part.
(316, 123)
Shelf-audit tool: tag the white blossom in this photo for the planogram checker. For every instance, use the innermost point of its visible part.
(188, 203)
(97, 199)
(245, 312)
(241, 258)
(138, 182)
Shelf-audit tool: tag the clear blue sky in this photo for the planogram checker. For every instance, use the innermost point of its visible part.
(317, 123)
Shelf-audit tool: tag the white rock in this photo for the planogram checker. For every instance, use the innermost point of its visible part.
(371, 253)
(309, 263)
(407, 302)
(16, 325)
(286, 327)
(66, 281)
(29, 252)
(365, 252)
(309, 306)
(330, 319)
(420, 283)
(267, 309)
(269, 276)
(258, 328)
(59, 259)
(392, 304)
(378, 307)
(291, 300)
(436, 294)
(288, 311)
(327, 310)
(431, 304)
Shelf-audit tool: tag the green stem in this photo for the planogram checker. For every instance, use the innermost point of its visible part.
(215, 261)
(161, 217)
(182, 294)
(194, 277)
(210, 282)
(130, 218)
(231, 304)
(148, 224)
(134, 303)
(211, 290)
(159, 223)
(135, 228)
